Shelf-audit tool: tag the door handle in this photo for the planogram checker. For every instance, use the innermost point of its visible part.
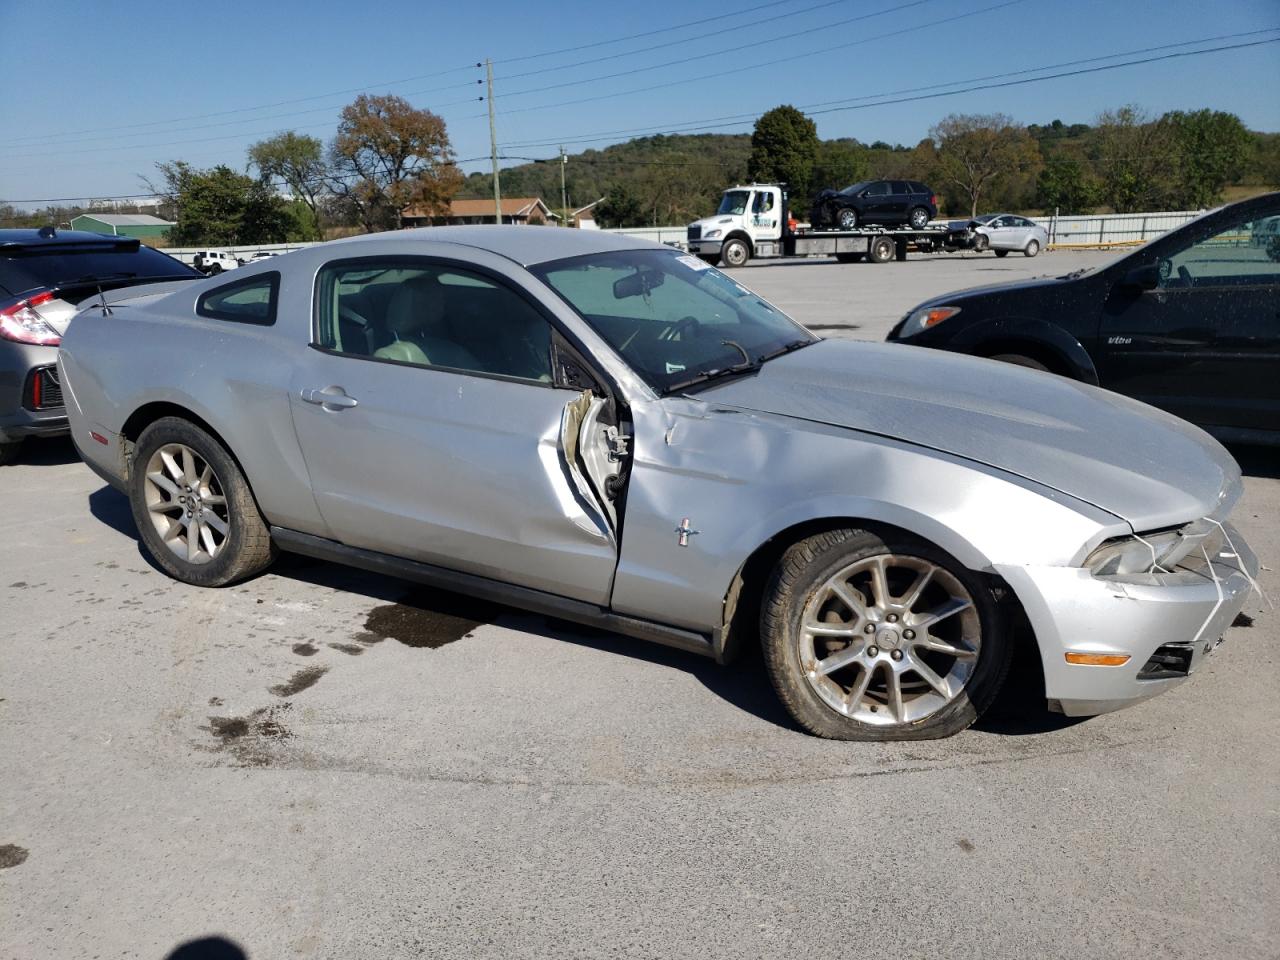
(330, 401)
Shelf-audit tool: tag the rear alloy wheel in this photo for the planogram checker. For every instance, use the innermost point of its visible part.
(847, 219)
(735, 253)
(1032, 248)
(881, 638)
(193, 507)
(1001, 253)
(9, 451)
(918, 218)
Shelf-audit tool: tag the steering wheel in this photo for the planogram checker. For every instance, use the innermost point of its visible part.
(677, 329)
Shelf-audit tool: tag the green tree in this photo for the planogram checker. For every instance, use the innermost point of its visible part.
(1065, 185)
(1211, 148)
(784, 148)
(297, 161)
(388, 156)
(220, 206)
(622, 208)
(839, 163)
(1132, 154)
(975, 152)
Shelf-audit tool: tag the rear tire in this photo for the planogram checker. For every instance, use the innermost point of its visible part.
(1018, 360)
(1032, 248)
(9, 452)
(882, 250)
(183, 480)
(1001, 253)
(735, 253)
(215, 269)
(918, 218)
(824, 595)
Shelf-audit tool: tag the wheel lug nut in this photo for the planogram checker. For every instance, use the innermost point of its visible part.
(892, 618)
(908, 634)
(873, 651)
(897, 654)
(870, 628)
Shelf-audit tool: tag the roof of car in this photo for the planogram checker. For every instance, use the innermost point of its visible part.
(525, 245)
(30, 236)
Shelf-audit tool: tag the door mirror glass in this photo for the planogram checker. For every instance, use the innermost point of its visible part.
(1146, 277)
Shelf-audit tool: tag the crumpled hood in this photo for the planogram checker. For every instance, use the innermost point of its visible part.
(1141, 464)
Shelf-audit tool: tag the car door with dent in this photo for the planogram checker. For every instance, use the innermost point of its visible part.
(433, 430)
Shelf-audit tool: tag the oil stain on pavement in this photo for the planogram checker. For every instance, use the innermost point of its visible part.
(12, 855)
(300, 681)
(427, 618)
(247, 738)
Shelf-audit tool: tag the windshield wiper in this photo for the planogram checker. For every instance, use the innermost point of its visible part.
(746, 366)
(93, 280)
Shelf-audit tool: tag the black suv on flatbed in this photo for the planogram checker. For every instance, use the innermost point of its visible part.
(888, 202)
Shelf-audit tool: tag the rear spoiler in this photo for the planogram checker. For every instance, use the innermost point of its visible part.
(19, 247)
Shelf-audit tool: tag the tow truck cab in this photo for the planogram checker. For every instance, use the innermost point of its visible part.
(753, 221)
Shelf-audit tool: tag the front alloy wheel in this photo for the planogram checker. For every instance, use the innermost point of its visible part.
(871, 638)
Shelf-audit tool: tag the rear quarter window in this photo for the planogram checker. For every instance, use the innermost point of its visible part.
(249, 300)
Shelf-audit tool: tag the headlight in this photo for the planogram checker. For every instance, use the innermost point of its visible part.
(711, 234)
(1151, 553)
(922, 319)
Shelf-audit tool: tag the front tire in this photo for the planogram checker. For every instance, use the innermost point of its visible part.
(735, 253)
(847, 219)
(870, 637)
(195, 512)
(918, 218)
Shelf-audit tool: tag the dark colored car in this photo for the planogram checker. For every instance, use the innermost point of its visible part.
(1190, 322)
(44, 275)
(888, 202)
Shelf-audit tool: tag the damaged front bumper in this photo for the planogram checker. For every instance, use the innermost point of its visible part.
(1163, 624)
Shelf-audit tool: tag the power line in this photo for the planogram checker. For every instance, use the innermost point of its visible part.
(694, 126)
(24, 140)
(750, 67)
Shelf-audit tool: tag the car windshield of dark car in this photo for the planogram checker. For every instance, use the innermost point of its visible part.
(672, 317)
(856, 188)
(734, 202)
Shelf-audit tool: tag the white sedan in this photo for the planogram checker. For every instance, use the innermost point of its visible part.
(1007, 231)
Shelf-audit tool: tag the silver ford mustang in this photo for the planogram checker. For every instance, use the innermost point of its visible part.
(605, 430)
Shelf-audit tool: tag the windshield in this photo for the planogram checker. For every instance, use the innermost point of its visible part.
(984, 218)
(734, 202)
(671, 317)
(857, 187)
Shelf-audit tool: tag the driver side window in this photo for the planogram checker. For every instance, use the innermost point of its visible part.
(1231, 257)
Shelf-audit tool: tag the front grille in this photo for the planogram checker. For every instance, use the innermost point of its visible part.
(1169, 661)
(43, 390)
(695, 233)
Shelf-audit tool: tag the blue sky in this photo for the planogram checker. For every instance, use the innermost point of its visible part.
(97, 92)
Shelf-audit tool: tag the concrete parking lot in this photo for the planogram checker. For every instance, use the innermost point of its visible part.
(328, 763)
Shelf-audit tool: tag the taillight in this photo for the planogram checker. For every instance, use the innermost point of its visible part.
(933, 201)
(22, 323)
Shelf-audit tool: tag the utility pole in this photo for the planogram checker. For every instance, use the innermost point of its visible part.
(493, 145)
(564, 196)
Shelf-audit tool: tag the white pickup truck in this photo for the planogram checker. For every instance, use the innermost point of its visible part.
(754, 221)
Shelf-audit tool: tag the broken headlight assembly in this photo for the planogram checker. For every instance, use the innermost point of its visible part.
(925, 317)
(1158, 552)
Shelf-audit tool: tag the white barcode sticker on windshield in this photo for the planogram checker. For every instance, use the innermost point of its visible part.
(693, 263)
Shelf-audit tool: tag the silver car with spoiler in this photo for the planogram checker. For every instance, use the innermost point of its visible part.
(605, 430)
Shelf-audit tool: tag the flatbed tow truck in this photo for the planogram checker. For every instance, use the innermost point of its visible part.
(754, 222)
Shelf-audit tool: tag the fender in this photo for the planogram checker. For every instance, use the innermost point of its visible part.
(1041, 333)
(739, 235)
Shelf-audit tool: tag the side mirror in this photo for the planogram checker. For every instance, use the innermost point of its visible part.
(1142, 278)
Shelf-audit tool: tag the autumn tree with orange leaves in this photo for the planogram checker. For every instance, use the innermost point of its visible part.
(388, 156)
